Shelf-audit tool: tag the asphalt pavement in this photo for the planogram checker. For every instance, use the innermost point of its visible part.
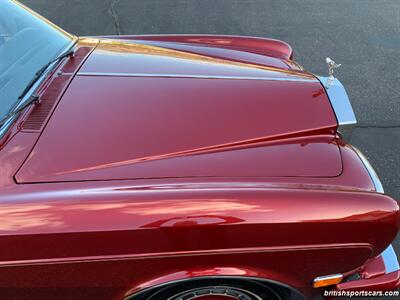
(362, 35)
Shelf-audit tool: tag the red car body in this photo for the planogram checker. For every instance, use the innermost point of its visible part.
(156, 160)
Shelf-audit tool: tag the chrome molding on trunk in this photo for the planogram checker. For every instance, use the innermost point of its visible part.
(341, 105)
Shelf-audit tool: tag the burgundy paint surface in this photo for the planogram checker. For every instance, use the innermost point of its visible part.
(138, 181)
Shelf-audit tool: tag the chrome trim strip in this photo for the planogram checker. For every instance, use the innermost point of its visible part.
(195, 76)
(341, 105)
(189, 253)
(148, 289)
(390, 260)
(372, 173)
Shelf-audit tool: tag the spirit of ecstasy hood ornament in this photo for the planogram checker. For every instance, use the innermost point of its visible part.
(332, 66)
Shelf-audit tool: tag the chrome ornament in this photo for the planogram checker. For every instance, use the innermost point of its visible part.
(339, 100)
(331, 68)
